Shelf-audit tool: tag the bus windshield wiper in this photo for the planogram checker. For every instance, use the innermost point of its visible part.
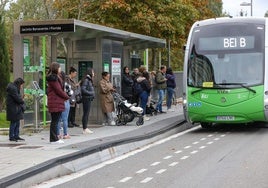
(240, 84)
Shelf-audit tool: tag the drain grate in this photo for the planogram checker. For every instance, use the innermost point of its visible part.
(29, 147)
(10, 145)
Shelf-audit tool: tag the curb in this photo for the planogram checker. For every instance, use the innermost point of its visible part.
(110, 147)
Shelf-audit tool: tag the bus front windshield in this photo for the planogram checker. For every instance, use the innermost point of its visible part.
(226, 56)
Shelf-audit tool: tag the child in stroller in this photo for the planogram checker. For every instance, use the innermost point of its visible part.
(126, 112)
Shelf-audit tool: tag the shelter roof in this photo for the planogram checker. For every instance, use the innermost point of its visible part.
(79, 30)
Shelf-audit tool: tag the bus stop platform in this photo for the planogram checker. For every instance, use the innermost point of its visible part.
(35, 160)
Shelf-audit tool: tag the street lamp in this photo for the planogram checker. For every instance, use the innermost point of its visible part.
(248, 4)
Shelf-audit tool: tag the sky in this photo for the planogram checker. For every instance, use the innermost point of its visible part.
(233, 7)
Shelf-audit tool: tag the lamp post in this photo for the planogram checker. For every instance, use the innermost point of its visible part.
(248, 4)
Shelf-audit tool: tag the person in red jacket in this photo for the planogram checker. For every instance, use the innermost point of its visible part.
(56, 97)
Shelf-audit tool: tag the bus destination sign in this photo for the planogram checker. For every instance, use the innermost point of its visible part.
(227, 43)
(27, 29)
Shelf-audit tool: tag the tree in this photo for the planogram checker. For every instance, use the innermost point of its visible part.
(4, 63)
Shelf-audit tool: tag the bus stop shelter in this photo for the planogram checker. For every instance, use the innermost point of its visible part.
(73, 43)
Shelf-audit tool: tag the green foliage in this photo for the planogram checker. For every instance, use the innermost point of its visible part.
(3, 122)
(4, 63)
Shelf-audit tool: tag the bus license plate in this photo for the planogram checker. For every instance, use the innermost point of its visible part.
(225, 118)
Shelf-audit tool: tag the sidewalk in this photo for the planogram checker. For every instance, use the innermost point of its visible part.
(35, 160)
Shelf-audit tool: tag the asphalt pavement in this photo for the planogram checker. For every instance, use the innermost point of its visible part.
(35, 160)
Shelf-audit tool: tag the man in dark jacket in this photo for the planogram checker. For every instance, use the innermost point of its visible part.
(15, 108)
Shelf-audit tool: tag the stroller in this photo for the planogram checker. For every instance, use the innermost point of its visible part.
(150, 109)
(126, 112)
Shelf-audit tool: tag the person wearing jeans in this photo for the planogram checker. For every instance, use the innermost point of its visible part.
(161, 86)
(15, 108)
(64, 120)
(171, 85)
(144, 95)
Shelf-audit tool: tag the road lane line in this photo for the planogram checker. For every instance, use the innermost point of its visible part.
(146, 180)
(177, 152)
(168, 157)
(141, 171)
(161, 171)
(155, 163)
(124, 180)
(184, 157)
(202, 147)
(173, 164)
(194, 152)
(187, 147)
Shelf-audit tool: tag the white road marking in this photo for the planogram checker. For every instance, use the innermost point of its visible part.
(184, 157)
(194, 152)
(146, 180)
(161, 171)
(210, 135)
(168, 157)
(173, 164)
(216, 139)
(195, 143)
(209, 142)
(125, 179)
(155, 163)
(141, 171)
(223, 135)
(203, 138)
(202, 147)
(177, 152)
(187, 147)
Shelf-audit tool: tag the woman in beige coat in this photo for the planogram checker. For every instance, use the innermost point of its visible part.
(106, 98)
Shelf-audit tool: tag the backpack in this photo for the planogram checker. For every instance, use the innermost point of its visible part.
(137, 89)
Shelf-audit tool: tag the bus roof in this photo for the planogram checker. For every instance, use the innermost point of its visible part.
(230, 20)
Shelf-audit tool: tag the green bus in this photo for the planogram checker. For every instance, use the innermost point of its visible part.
(225, 76)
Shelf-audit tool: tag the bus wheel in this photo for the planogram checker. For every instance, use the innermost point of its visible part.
(206, 125)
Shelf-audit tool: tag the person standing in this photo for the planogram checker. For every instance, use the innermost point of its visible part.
(127, 84)
(74, 86)
(171, 85)
(65, 113)
(56, 98)
(88, 94)
(144, 80)
(106, 98)
(161, 86)
(135, 97)
(15, 108)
